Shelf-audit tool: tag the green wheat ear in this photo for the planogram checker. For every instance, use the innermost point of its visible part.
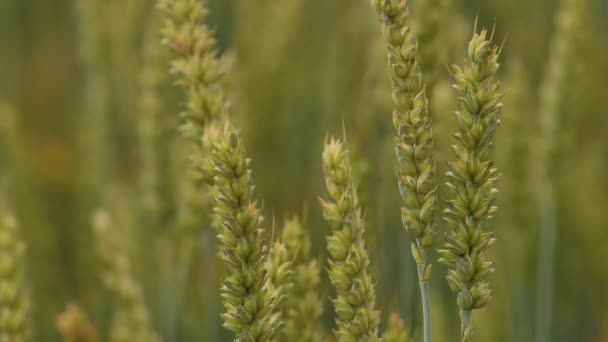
(250, 305)
(472, 178)
(357, 318)
(14, 303)
(413, 141)
(202, 77)
(280, 273)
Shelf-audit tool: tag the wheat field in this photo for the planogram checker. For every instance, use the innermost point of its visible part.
(291, 170)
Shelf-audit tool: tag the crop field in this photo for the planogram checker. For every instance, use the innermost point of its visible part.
(303, 170)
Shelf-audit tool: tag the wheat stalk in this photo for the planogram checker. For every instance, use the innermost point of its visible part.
(570, 21)
(471, 180)
(250, 305)
(357, 318)
(413, 141)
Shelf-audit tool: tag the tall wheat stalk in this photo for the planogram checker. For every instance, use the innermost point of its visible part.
(471, 180)
(356, 316)
(413, 141)
(570, 20)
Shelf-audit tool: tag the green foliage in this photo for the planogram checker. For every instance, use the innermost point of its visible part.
(356, 316)
(250, 305)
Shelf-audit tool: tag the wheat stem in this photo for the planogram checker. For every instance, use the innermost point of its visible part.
(569, 23)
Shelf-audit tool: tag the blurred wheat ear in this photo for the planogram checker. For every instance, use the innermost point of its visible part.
(130, 321)
(14, 300)
(74, 325)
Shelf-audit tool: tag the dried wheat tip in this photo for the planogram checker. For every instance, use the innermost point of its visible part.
(250, 307)
(395, 331)
(472, 178)
(130, 321)
(303, 303)
(74, 325)
(14, 303)
(414, 137)
(357, 319)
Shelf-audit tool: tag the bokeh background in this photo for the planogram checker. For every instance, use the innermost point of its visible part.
(71, 141)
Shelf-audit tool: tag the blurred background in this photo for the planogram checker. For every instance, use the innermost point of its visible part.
(73, 87)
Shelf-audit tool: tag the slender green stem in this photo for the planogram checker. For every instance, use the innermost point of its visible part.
(466, 317)
(426, 308)
(546, 266)
(425, 294)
